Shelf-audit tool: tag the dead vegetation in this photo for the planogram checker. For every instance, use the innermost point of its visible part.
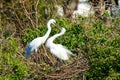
(42, 65)
(48, 67)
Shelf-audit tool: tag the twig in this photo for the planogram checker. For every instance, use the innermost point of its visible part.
(52, 61)
(18, 20)
(27, 14)
(36, 12)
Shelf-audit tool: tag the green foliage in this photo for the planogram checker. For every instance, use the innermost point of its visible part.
(33, 33)
(11, 67)
(99, 42)
(103, 51)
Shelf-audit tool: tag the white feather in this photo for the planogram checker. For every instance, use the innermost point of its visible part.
(58, 50)
(37, 42)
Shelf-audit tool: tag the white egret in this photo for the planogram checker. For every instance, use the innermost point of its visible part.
(115, 9)
(84, 8)
(37, 42)
(58, 50)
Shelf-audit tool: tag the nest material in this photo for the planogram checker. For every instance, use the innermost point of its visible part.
(43, 65)
(73, 69)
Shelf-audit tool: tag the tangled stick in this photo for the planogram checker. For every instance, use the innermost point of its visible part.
(46, 68)
(70, 70)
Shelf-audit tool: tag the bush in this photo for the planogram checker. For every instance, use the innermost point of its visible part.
(11, 67)
(100, 42)
(102, 49)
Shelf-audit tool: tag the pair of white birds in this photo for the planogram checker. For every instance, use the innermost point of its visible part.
(58, 50)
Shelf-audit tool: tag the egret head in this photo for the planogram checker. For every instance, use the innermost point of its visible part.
(63, 30)
(52, 21)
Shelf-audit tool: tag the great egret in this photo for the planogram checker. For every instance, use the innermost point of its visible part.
(115, 9)
(84, 8)
(58, 50)
(37, 42)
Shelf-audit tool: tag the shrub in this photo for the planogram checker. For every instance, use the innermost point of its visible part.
(100, 43)
(11, 67)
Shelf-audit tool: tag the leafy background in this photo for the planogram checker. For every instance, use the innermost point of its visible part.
(98, 38)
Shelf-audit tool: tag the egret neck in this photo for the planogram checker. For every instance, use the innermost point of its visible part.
(48, 32)
(57, 35)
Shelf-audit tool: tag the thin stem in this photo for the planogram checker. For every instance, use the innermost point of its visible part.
(36, 13)
(27, 15)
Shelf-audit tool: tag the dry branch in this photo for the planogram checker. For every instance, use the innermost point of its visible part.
(36, 12)
(27, 15)
(72, 69)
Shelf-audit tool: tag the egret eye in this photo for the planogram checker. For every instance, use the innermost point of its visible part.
(54, 23)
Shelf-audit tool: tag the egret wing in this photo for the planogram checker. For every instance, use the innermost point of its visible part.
(65, 48)
(59, 53)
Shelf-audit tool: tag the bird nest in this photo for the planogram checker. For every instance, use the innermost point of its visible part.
(43, 65)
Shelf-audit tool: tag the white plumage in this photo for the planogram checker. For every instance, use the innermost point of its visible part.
(58, 50)
(84, 8)
(37, 42)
